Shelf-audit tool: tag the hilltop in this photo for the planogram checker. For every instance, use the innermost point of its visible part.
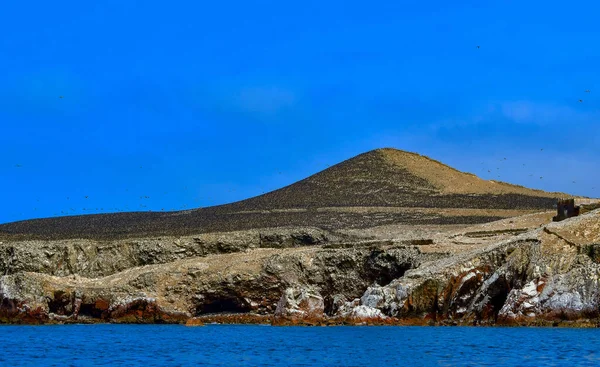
(391, 177)
(380, 187)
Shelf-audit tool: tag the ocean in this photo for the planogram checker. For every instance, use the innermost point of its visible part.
(240, 345)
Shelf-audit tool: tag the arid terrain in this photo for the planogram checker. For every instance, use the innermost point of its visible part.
(380, 187)
(387, 237)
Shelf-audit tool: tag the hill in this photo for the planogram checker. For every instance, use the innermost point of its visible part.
(380, 187)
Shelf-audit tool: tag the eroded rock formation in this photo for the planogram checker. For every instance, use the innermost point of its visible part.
(244, 282)
(543, 276)
(547, 276)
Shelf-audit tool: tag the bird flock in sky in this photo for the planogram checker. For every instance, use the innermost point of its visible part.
(541, 149)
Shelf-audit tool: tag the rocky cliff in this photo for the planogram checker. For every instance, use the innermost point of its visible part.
(547, 276)
(411, 241)
(519, 271)
(250, 281)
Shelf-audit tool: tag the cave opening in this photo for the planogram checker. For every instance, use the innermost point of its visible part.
(223, 305)
(90, 310)
(59, 304)
(499, 291)
(330, 306)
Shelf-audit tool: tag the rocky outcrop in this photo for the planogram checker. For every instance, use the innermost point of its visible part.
(509, 274)
(90, 258)
(548, 276)
(245, 282)
(300, 305)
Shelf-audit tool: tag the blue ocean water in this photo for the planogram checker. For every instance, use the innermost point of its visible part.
(233, 345)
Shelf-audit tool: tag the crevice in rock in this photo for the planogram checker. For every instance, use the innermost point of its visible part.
(484, 234)
(546, 230)
(330, 306)
(10, 257)
(592, 251)
(382, 267)
(305, 239)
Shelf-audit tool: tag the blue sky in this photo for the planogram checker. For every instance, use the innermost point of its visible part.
(194, 103)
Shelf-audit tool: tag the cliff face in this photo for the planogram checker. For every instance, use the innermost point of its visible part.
(519, 271)
(244, 282)
(92, 258)
(387, 237)
(547, 276)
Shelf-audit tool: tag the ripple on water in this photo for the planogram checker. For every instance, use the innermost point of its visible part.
(233, 345)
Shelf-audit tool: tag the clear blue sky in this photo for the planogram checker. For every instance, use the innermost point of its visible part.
(196, 103)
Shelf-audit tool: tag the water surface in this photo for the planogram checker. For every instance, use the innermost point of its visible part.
(233, 345)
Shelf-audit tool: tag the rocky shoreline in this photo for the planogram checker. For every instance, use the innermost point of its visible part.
(522, 271)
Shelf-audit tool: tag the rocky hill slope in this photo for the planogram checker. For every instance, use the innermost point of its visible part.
(380, 187)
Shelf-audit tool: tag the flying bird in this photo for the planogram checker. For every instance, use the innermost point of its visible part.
(477, 46)
(581, 100)
(18, 165)
(86, 197)
(587, 90)
(61, 97)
